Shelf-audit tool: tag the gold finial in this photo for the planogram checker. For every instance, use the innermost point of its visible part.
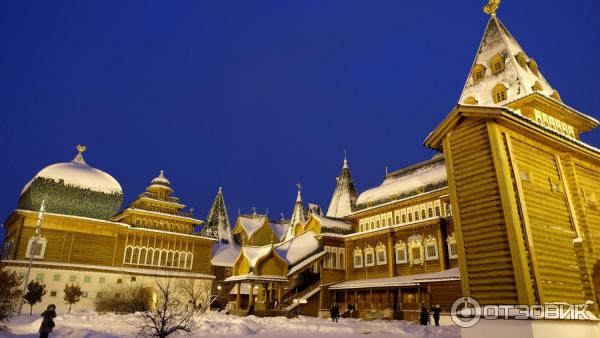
(491, 7)
(81, 148)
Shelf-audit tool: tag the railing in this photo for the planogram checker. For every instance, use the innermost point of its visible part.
(156, 197)
(291, 295)
(163, 211)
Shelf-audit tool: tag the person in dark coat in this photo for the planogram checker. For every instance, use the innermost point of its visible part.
(424, 315)
(436, 314)
(48, 321)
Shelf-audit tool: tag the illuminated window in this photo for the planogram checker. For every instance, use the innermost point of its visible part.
(497, 64)
(431, 249)
(381, 254)
(478, 73)
(499, 93)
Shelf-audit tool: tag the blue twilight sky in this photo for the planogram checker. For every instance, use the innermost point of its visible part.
(256, 96)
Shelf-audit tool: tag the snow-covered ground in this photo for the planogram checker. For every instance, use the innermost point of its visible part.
(93, 325)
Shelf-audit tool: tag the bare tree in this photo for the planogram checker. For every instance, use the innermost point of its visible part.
(168, 314)
(9, 292)
(196, 292)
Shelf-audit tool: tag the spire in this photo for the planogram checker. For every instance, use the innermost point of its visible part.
(344, 197)
(217, 222)
(298, 215)
(502, 72)
(79, 157)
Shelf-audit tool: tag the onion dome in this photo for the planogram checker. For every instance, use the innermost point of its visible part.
(73, 188)
(160, 184)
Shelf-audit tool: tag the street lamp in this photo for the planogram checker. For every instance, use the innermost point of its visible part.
(34, 244)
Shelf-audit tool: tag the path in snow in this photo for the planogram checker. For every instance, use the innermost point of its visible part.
(92, 325)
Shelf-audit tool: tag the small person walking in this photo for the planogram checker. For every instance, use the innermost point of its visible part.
(424, 315)
(48, 321)
(436, 314)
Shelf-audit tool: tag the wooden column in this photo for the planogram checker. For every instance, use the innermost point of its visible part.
(278, 296)
(371, 295)
(387, 296)
(251, 295)
(238, 298)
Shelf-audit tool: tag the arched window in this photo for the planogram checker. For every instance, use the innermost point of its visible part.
(478, 73)
(431, 249)
(404, 218)
(381, 254)
(400, 249)
(156, 259)
(149, 256)
(163, 258)
(182, 260)
(369, 256)
(398, 219)
(390, 220)
(358, 258)
(170, 259)
(190, 258)
(437, 210)
(142, 259)
(521, 59)
(423, 214)
(127, 257)
(176, 259)
(378, 223)
(415, 250)
(471, 100)
(135, 256)
(537, 86)
(497, 64)
(452, 251)
(533, 66)
(430, 212)
(416, 215)
(499, 93)
(410, 217)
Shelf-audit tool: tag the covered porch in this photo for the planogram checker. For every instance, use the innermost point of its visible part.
(260, 295)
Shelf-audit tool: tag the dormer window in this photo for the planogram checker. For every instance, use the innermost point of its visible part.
(478, 73)
(497, 64)
(533, 66)
(555, 96)
(521, 59)
(471, 100)
(499, 93)
(537, 87)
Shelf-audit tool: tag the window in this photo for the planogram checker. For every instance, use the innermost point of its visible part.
(430, 212)
(87, 279)
(36, 248)
(72, 278)
(499, 93)
(327, 260)
(521, 59)
(333, 258)
(52, 293)
(416, 215)
(102, 280)
(497, 64)
(133, 279)
(56, 278)
(119, 280)
(403, 218)
(342, 256)
(369, 256)
(423, 214)
(431, 250)
(471, 100)
(478, 73)
(437, 210)
(401, 252)
(381, 254)
(398, 219)
(358, 258)
(415, 250)
(39, 277)
(8, 248)
(533, 66)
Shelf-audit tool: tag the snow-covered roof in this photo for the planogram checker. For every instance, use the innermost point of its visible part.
(79, 174)
(251, 223)
(161, 179)
(251, 276)
(254, 253)
(407, 280)
(343, 200)
(279, 229)
(334, 225)
(298, 247)
(225, 254)
(519, 79)
(407, 180)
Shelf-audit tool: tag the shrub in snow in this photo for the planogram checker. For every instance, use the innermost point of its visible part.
(9, 292)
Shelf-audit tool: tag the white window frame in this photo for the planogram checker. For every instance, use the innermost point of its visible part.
(357, 253)
(369, 251)
(41, 241)
(431, 241)
(416, 242)
(342, 258)
(451, 240)
(326, 261)
(381, 248)
(401, 247)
